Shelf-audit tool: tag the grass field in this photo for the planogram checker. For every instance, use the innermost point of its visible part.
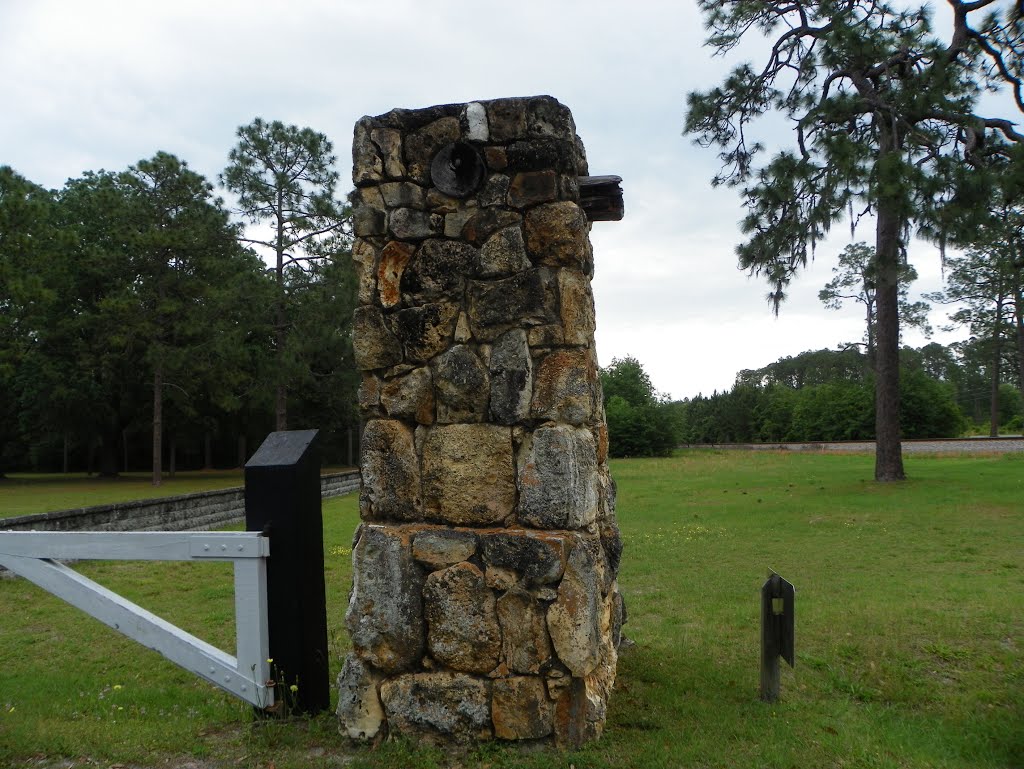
(910, 611)
(24, 494)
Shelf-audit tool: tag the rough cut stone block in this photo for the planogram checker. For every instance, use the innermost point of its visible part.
(579, 715)
(367, 165)
(487, 221)
(440, 548)
(496, 158)
(440, 270)
(461, 383)
(546, 116)
(495, 304)
(538, 556)
(359, 710)
(521, 709)
(558, 479)
(410, 396)
(576, 304)
(566, 387)
(367, 222)
(556, 234)
(525, 643)
(507, 119)
(444, 705)
(385, 609)
(574, 619)
(421, 146)
(389, 143)
(511, 369)
(394, 258)
(411, 224)
(403, 195)
(475, 122)
(391, 476)
(468, 476)
(495, 191)
(368, 395)
(462, 619)
(532, 187)
(425, 331)
(364, 256)
(504, 253)
(372, 341)
(542, 154)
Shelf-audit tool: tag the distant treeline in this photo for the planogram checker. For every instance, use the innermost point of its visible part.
(827, 395)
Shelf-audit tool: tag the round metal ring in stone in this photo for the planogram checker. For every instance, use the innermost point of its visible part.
(458, 169)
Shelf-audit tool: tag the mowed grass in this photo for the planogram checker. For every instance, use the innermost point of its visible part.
(25, 494)
(910, 599)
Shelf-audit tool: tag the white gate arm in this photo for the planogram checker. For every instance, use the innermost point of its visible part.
(32, 555)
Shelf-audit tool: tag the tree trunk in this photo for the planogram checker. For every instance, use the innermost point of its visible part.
(1018, 317)
(158, 425)
(108, 454)
(173, 469)
(281, 410)
(280, 325)
(888, 450)
(995, 373)
(208, 451)
(241, 451)
(64, 458)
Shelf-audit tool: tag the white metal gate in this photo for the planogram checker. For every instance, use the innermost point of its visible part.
(34, 556)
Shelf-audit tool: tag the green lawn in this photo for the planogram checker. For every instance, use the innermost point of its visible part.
(24, 494)
(910, 611)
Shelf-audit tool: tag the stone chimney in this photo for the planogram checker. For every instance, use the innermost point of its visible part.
(484, 601)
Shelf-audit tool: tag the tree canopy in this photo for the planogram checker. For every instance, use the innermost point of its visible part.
(284, 178)
(640, 422)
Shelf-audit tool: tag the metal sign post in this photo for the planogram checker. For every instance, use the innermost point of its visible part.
(778, 599)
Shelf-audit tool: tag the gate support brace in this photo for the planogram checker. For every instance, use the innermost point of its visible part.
(32, 555)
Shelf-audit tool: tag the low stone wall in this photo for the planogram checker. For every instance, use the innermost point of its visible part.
(187, 512)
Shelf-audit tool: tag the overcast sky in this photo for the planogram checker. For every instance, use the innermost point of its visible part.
(102, 84)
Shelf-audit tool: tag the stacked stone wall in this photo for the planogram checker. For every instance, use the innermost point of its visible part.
(484, 601)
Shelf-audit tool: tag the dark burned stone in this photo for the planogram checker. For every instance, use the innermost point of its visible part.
(538, 557)
(532, 187)
(439, 270)
(511, 300)
(461, 386)
(407, 120)
(543, 155)
(425, 331)
(479, 227)
(511, 378)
